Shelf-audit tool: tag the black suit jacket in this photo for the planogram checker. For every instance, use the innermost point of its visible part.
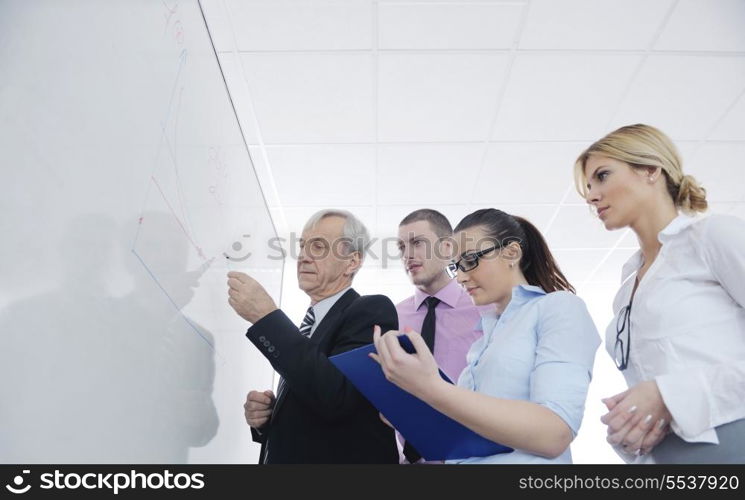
(321, 417)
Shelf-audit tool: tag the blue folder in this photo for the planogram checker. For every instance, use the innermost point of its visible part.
(434, 435)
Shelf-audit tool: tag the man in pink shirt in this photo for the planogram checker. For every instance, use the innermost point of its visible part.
(439, 309)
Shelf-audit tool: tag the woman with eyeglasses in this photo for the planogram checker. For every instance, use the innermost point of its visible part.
(526, 379)
(678, 334)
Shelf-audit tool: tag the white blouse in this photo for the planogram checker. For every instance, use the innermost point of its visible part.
(688, 323)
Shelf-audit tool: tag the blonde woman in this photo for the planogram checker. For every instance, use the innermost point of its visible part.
(678, 334)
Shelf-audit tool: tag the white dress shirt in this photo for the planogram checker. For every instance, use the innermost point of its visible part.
(688, 323)
(322, 307)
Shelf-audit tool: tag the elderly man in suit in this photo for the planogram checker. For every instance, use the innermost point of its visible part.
(317, 416)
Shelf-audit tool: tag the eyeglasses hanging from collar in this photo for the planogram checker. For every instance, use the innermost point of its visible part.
(623, 337)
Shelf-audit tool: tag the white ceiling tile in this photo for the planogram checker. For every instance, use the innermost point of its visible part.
(383, 255)
(300, 26)
(526, 172)
(573, 196)
(727, 208)
(297, 217)
(592, 24)
(538, 215)
(389, 216)
(687, 149)
(265, 176)
(383, 252)
(218, 24)
(721, 208)
(576, 227)
(578, 264)
(390, 276)
(438, 97)
(456, 213)
(240, 95)
(392, 283)
(732, 126)
(328, 176)
(684, 96)
(447, 26)
(610, 270)
(710, 25)
(277, 213)
(562, 96)
(426, 173)
(720, 168)
(738, 210)
(301, 98)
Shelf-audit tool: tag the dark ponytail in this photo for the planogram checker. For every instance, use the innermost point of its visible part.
(537, 263)
(539, 267)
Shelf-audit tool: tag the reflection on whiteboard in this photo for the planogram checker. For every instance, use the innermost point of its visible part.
(130, 195)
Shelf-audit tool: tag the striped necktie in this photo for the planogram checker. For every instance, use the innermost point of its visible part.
(305, 327)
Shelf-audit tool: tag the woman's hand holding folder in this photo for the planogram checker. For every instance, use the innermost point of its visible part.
(416, 372)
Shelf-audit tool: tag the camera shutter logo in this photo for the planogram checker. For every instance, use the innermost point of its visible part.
(19, 489)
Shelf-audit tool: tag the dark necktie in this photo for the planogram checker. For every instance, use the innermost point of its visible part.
(428, 334)
(305, 327)
(428, 326)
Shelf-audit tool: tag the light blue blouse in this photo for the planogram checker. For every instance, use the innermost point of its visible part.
(540, 349)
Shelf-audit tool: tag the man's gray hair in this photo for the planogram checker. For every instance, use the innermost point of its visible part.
(354, 232)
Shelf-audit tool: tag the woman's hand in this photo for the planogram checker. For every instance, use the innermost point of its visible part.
(638, 419)
(415, 373)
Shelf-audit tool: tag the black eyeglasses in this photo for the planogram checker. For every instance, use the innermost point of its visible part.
(623, 338)
(468, 262)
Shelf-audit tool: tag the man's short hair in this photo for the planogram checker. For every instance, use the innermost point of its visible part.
(354, 232)
(438, 222)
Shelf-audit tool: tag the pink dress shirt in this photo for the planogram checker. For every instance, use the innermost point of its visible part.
(456, 323)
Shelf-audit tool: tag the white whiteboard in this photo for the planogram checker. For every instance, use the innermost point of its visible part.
(125, 182)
